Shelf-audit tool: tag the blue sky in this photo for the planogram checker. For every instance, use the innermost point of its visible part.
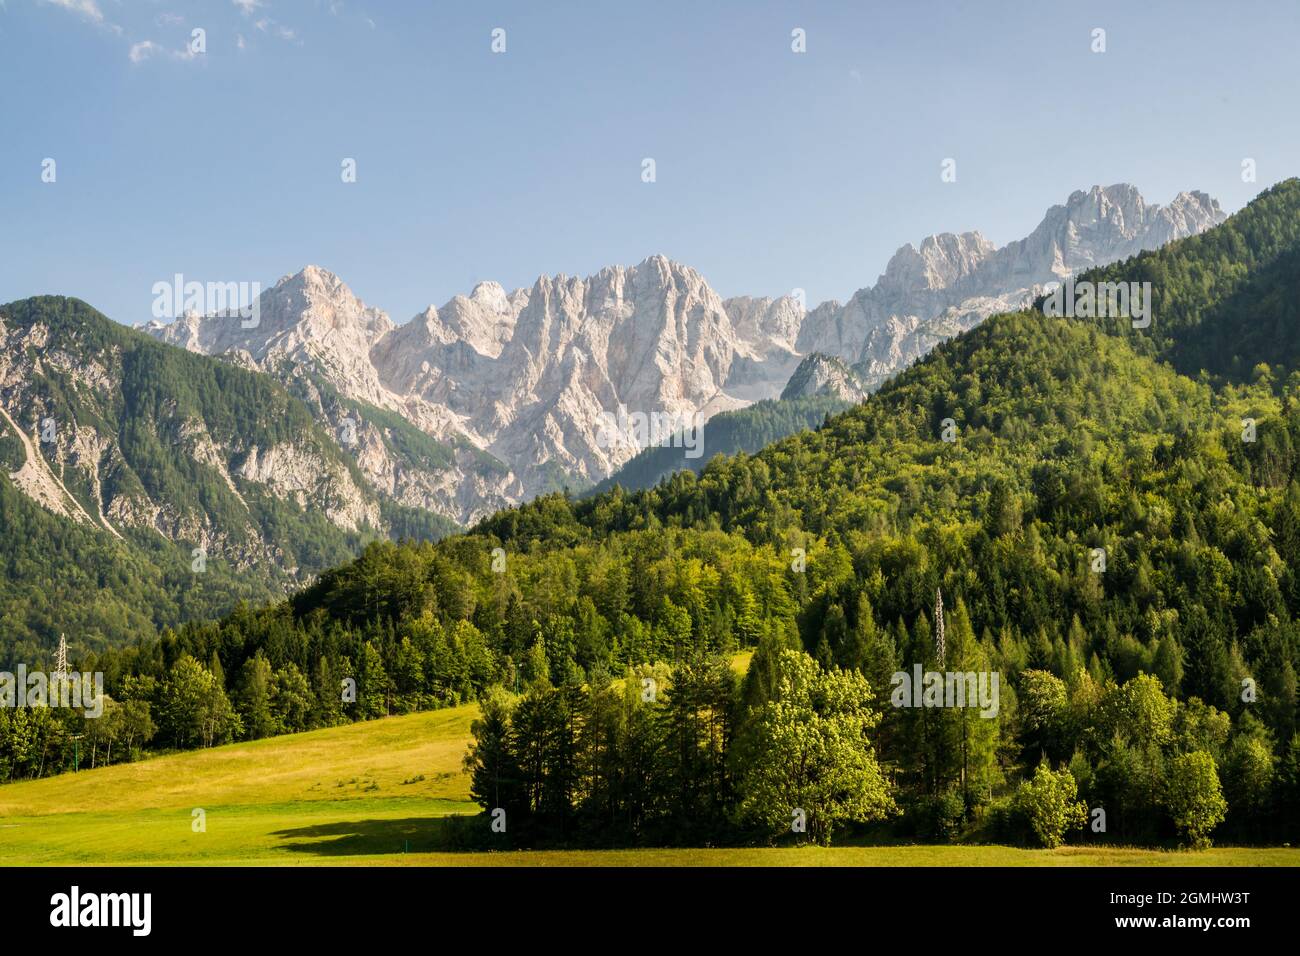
(775, 170)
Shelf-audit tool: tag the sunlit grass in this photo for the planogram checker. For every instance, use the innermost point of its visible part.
(380, 793)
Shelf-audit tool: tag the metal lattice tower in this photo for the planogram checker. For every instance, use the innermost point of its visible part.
(61, 659)
(938, 626)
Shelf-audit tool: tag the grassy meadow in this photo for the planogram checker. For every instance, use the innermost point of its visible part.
(378, 793)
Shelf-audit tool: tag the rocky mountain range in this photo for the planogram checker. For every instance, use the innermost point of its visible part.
(496, 397)
(142, 485)
(159, 483)
(952, 282)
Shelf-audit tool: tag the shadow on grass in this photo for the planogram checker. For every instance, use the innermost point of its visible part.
(370, 837)
(457, 833)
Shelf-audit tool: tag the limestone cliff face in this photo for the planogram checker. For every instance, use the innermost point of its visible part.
(820, 374)
(513, 388)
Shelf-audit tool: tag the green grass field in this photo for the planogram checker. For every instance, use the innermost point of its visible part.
(380, 793)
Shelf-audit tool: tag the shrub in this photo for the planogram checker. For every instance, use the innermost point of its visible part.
(1049, 806)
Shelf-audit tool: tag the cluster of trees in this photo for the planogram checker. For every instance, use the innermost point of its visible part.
(415, 626)
(682, 755)
(689, 753)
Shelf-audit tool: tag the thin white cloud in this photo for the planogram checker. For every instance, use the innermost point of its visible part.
(272, 27)
(146, 49)
(89, 11)
(86, 8)
(143, 50)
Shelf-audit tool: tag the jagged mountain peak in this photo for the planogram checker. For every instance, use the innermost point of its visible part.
(1105, 224)
(325, 296)
(1117, 193)
(655, 268)
(951, 282)
(484, 320)
(821, 374)
(1197, 197)
(311, 275)
(938, 262)
(764, 324)
(664, 265)
(490, 294)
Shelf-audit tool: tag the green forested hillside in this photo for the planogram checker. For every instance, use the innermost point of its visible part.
(59, 577)
(141, 425)
(1111, 539)
(1225, 299)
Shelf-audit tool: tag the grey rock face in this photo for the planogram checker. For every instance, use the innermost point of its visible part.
(820, 374)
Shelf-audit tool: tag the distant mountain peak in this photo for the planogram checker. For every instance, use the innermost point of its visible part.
(821, 374)
(316, 278)
(953, 281)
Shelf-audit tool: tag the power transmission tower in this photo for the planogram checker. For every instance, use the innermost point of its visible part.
(61, 659)
(938, 626)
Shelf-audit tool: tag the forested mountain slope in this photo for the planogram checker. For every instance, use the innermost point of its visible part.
(1224, 300)
(144, 485)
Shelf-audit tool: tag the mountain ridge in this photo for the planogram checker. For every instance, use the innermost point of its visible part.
(209, 481)
(530, 376)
